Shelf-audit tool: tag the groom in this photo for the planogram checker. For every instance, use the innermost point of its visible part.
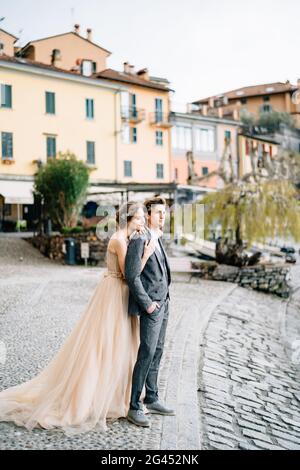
(149, 298)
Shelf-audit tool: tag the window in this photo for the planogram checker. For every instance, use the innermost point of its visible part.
(159, 170)
(89, 108)
(204, 170)
(129, 134)
(7, 144)
(227, 135)
(5, 96)
(127, 168)
(158, 109)
(266, 98)
(125, 134)
(50, 102)
(7, 209)
(51, 147)
(159, 137)
(90, 152)
(182, 138)
(265, 108)
(86, 68)
(204, 140)
(133, 105)
(243, 100)
(94, 67)
(133, 135)
(176, 174)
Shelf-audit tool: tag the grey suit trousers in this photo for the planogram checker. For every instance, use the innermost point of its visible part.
(152, 337)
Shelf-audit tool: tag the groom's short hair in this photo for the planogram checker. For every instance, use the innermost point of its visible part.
(154, 201)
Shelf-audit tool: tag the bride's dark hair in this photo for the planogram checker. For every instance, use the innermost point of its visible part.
(126, 212)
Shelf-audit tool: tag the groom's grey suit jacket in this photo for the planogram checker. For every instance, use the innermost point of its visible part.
(152, 284)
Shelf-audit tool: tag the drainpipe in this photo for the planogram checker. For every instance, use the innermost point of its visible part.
(116, 132)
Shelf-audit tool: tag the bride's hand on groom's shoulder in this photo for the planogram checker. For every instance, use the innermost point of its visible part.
(137, 233)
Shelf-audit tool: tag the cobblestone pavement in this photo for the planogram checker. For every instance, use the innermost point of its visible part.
(249, 391)
(224, 367)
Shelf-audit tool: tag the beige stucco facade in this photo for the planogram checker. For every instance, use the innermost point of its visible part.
(29, 123)
(207, 155)
(145, 154)
(73, 49)
(7, 40)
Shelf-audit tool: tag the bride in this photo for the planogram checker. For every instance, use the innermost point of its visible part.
(89, 380)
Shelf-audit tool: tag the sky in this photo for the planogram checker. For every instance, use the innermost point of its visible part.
(203, 47)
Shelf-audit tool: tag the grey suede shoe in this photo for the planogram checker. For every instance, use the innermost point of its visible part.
(158, 408)
(138, 417)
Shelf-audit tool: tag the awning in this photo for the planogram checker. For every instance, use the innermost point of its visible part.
(16, 192)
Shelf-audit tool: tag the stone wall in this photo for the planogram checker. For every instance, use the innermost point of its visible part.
(52, 246)
(267, 277)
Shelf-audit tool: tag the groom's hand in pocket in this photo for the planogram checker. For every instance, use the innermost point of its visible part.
(152, 307)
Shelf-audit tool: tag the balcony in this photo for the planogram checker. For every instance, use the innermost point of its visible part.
(132, 114)
(159, 119)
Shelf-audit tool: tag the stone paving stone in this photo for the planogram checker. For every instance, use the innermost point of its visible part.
(256, 435)
(219, 423)
(222, 440)
(218, 414)
(286, 436)
(266, 446)
(288, 444)
(246, 424)
(250, 417)
(246, 446)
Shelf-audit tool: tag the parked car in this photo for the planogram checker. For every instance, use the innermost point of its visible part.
(290, 258)
(287, 249)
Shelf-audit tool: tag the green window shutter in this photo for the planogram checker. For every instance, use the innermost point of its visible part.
(90, 152)
(50, 102)
(6, 96)
(89, 108)
(8, 99)
(7, 145)
(2, 95)
(51, 147)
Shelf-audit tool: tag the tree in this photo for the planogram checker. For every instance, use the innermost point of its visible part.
(262, 203)
(62, 183)
(252, 212)
(267, 122)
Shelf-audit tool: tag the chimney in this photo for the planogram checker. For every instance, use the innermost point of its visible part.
(131, 69)
(89, 34)
(211, 102)
(143, 73)
(76, 28)
(56, 58)
(298, 83)
(126, 67)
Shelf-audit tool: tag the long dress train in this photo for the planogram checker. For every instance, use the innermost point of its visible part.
(89, 380)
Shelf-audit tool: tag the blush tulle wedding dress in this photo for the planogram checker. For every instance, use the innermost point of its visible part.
(89, 380)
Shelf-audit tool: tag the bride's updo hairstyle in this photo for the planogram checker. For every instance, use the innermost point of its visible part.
(126, 212)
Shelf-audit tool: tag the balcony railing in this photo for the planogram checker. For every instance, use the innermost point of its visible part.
(160, 119)
(132, 114)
